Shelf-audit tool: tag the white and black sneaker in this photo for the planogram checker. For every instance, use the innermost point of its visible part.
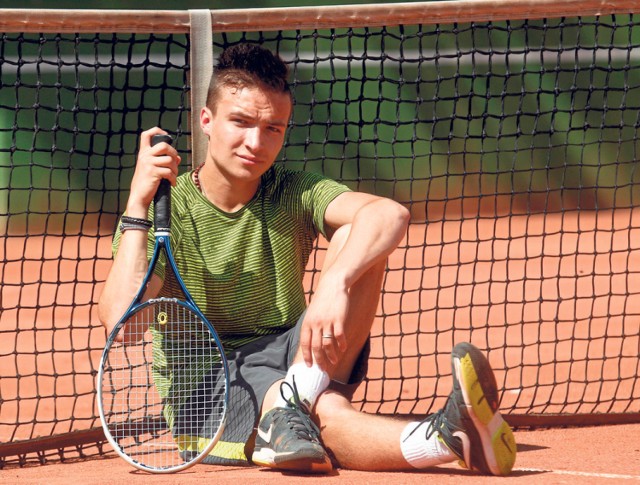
(288, 439)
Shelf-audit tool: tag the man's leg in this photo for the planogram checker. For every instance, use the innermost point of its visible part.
(364, 297)
(469, 428)
(294, 443)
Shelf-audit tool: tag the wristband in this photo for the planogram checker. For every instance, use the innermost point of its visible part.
(139, 227)
(135, 221)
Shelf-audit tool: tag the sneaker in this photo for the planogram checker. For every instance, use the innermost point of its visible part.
(470, 424)
(288, 439)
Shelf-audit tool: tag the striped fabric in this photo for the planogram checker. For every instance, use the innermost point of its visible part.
(245, 269)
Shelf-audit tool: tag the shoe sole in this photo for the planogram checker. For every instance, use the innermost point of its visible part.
(267, 457)
(479, 390)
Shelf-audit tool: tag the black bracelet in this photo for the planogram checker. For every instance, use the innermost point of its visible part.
(135, 221)
(139, 227)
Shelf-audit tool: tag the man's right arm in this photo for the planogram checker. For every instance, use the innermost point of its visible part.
(125, 278)
(130, 263)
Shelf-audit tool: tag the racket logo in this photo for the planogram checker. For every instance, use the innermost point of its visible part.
(162, 318)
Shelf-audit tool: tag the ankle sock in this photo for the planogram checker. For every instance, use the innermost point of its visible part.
(422, 452)
(310, 382)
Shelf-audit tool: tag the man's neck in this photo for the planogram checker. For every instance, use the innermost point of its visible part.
(220, 192)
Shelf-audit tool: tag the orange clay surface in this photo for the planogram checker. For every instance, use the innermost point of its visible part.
(593, 455)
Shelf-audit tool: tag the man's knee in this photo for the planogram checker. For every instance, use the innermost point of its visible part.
(332, 405)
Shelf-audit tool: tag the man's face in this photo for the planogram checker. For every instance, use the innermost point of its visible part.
(246, 131)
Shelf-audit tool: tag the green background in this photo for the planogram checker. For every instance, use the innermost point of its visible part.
(502, 109)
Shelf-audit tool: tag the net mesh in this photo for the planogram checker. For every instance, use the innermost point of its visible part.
(71, 110)
(513, 144)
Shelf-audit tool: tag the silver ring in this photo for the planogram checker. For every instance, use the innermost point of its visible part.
(328, 335)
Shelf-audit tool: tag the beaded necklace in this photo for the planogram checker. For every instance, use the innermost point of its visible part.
(196, 178)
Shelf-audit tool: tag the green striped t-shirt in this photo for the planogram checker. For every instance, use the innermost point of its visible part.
(245, 269)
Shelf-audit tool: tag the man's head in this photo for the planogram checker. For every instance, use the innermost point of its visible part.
(247, 66)
(246, 117)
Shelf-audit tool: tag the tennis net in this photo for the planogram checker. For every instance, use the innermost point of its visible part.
(511, 136)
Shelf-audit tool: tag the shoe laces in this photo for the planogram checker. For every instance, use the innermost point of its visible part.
(434, 423)
(297, 415)
(441, 422)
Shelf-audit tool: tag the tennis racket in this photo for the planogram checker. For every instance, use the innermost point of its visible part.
(163, 378)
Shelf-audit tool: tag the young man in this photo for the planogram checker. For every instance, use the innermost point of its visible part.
(242, 231)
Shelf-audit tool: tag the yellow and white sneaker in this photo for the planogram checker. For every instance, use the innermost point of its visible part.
(470, 423)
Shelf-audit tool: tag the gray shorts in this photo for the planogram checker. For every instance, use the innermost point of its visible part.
(253, 368)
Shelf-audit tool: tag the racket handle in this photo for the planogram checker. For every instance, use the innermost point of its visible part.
(162, 199)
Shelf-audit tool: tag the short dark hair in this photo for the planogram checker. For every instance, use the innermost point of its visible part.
(248, 65)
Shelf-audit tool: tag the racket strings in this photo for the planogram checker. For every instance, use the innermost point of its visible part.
(163, 388)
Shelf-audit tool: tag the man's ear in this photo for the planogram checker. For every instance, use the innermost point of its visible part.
(206, 120)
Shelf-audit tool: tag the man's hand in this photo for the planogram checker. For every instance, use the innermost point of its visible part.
(322, 337)
(154, 163)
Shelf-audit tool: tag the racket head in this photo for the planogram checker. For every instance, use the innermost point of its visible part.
(163, 391)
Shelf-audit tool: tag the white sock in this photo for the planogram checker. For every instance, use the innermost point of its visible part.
(310, 382)
(421, 452)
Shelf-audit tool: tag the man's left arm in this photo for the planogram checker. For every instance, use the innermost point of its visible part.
(377, 226)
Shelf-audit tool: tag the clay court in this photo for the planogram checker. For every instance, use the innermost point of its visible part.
(573, 455)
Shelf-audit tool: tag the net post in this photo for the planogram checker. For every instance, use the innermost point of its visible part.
(201, 66)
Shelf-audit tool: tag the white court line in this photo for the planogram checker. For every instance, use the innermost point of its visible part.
(613, 476)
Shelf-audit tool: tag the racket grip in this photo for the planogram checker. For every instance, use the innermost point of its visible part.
(162, 199)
